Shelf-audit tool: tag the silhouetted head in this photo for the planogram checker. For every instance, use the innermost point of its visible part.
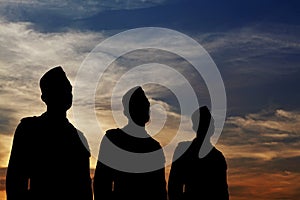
(136, 106)
(201, 119)
(56, 90)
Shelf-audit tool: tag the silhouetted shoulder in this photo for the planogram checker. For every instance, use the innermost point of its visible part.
(180, 151)
(156, 144)
(216, 152)
(116, 136)
(112, 133)
(26, 124)
(131, 143)
(29, 120)
(218, 155)
(188, 149)
(84, 141)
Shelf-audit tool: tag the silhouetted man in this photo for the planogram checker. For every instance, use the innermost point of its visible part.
(120, 181)
(48, 158)
(192, 177)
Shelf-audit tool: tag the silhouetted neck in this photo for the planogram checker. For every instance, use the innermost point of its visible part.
(201, 140)
(56, 116)
(134, 125)
(135, 130)
(201, 143)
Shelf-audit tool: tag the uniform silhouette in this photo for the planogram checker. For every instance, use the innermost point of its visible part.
(115, 184)
(192, 177)
(48, 158)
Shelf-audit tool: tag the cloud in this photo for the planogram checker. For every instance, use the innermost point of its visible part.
(265, 37)
(21, 44)
(31, 53)
(67, 10)
(258, 63)
(263, 186)
(262, 153)
(255, 141)
(267, 135)
(252, 50)
(258, 179)
(26, 55)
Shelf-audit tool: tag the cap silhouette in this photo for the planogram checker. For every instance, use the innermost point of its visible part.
(136, 106)
(56, 89)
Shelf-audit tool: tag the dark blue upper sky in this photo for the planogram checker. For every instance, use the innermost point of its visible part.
(192, 15)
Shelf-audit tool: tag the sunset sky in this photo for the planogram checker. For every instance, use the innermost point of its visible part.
(255, 45)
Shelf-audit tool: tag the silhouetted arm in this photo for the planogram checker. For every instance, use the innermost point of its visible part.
(84, 169)
(221, 185)
(87, 182)
(176, 184)
(224, 186)
(162, 184)
(103, 182)
(17, 176)
(103, 178)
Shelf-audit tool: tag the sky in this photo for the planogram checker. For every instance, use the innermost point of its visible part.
(254, 44)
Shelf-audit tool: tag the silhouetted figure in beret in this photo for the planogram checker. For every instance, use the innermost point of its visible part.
(121, 181)
(49, 157)
(192, 177)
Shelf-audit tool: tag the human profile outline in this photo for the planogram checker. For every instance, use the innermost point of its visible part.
(192, 177)
(49, 157)
(111, 183)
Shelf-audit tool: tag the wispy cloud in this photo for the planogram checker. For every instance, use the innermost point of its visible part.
(265, 37)
(263, 185)
(262, 153)
(253, 49)
(259, 64)
(266, 135)
(67, 10)
(30, 53)
(25, 56)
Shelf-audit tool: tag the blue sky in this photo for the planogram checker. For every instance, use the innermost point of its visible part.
(255, 45)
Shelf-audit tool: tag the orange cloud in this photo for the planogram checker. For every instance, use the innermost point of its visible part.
(262, 185)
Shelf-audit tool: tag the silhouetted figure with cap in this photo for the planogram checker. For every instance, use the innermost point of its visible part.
(49, 157)
(115, 176)
(192, 177)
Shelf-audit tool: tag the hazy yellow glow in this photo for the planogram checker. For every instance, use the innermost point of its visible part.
(2, 195)
(5, 143)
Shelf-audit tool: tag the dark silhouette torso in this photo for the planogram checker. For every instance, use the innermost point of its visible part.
(50, 154)
(114, 184)
(194, 178)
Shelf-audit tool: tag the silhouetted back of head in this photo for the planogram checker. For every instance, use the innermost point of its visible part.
(136, 106)
(56, 89)
(201, 120)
